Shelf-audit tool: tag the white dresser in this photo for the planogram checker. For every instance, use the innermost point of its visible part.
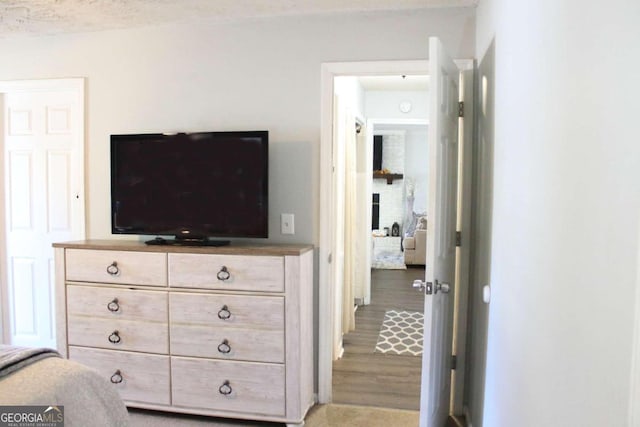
(222, 331)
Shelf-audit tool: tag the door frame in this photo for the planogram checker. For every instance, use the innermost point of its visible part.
(463, 270)
(634, 395)
(76, 85)
(326, 291)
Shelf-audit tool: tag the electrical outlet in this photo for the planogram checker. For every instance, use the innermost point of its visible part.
(287, 224)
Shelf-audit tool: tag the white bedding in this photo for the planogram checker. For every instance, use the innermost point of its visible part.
(88, 399)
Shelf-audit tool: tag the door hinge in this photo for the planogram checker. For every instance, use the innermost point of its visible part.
(458, 238)
(454, 362)
(330, 258)
(461, 109)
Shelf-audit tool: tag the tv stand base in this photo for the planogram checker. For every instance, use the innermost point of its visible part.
(160, 241)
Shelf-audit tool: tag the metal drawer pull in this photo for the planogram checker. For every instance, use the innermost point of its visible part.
(225, 388)
(224, 347)
(224, 313)
(223, 274)
(113, 306)
(116, 378)
(113, 269)
(114, 338)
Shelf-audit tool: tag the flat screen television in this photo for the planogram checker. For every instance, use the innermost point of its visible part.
(192, 186)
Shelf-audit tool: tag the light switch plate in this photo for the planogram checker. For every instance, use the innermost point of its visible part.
(287, 224)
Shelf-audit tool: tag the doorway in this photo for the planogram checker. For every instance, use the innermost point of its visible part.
(383, 171)
(42, 190)
(327, 295)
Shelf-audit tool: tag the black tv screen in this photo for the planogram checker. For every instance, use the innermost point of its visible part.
(192, 186)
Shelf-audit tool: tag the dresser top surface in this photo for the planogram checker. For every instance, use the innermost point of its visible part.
(235, 248)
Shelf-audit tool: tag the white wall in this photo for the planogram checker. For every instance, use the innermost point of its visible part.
(565, 211)
(384, 104)
(391, 195)
(404, 151)
(255, 74)
(416, 165)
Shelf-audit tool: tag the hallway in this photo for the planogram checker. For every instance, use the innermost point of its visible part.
(363, 377)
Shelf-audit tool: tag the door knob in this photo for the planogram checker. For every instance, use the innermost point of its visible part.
(442, 287)
(420, 284)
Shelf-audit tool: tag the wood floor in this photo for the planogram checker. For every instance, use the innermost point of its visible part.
(363, 377)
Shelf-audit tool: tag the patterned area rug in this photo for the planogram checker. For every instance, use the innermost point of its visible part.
(389, 261)
(401, 333)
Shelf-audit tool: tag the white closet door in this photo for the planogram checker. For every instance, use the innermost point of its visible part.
(43, 141)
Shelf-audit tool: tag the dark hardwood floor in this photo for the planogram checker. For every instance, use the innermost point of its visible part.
(362, 377)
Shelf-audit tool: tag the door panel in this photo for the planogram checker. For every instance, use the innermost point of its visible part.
(19, 190)
(441, 229)
(58, 178)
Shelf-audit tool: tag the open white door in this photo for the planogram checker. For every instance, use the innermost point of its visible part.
(441, 237)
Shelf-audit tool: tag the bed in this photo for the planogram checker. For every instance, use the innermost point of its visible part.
(40, 376)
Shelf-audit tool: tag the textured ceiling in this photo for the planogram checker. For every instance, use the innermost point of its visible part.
(65, 16)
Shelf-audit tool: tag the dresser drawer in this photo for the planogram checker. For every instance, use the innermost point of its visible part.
(264, 313)
(117, 303)
(256, 388)
(141, 378)
(231, 343)
(227, 272)
(129, 335)
(134, 268)
(253, 326)
(138, 322)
